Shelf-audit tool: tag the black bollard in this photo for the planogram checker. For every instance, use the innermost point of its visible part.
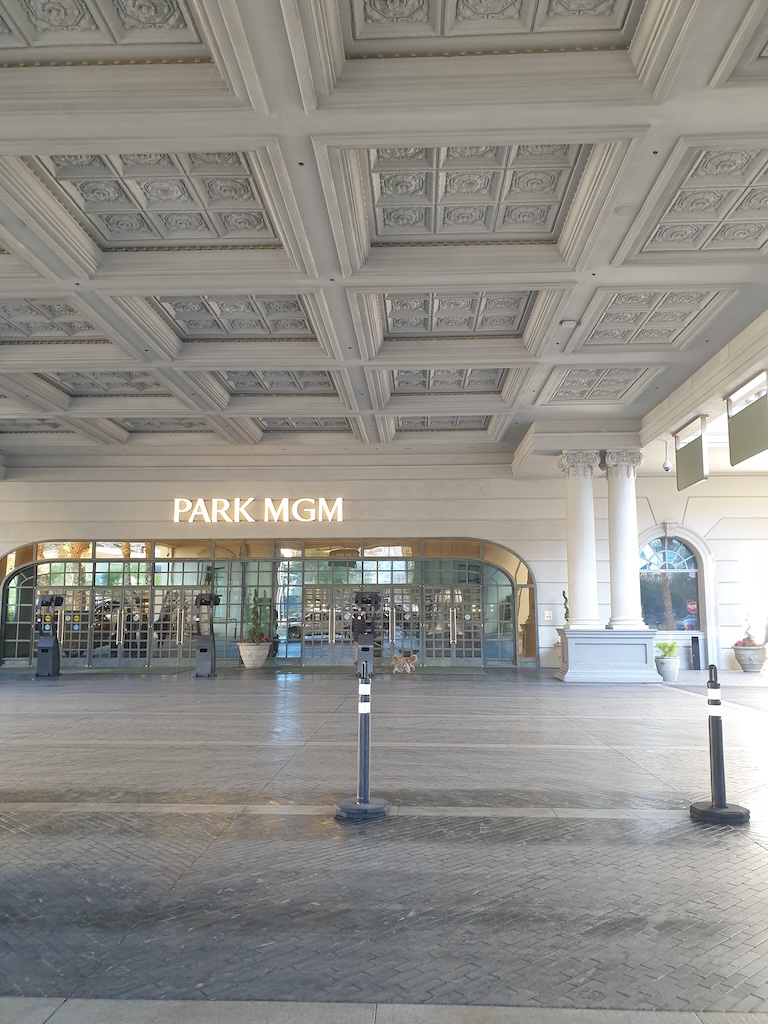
(718, 811)
(361, 807)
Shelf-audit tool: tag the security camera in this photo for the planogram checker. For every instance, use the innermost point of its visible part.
(666, 466)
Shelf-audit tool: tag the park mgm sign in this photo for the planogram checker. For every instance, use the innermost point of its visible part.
(251, 510)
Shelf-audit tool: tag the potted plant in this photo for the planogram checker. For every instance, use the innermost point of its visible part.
(749, 653)
(667, 661)
(256, 641)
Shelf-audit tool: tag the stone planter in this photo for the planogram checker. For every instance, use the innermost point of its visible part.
(668, 668)
(750, 659)
(254, 655)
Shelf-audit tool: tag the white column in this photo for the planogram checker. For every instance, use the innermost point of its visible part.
(626, 609)
(580, 539)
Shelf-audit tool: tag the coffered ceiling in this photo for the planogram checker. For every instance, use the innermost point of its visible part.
(375, 230)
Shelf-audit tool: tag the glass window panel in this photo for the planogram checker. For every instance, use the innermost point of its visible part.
(526, 617)
(183, 549)
(227, 549)
(452, 548)
(509, 561)
(259, 549)
(65, 549)
(392, 549)
(343, 549)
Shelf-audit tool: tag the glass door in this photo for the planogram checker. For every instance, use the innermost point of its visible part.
(401, 621)
(326, 626)
(119, 625)
(453, 625)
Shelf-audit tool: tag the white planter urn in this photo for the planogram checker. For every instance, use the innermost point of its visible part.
(750, 659)
(668, 668)
(254, 655)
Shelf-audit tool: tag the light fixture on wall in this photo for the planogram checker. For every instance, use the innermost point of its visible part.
(666, 464)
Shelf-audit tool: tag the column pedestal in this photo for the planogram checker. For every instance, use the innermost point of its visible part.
(607, 656)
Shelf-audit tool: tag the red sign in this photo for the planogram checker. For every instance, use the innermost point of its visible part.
(692, 607)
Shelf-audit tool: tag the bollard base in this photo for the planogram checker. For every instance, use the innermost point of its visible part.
(351, 810)
(731, 814)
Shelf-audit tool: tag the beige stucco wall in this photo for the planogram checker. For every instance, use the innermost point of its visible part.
(726, 517)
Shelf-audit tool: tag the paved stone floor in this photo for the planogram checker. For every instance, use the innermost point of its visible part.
(168, 852)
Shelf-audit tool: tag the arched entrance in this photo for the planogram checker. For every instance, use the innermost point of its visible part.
(452, 607)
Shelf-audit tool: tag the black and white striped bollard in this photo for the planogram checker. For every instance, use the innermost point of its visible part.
(361, 807)
(719, 810)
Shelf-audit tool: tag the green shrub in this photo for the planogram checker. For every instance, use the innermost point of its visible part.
(667, 648)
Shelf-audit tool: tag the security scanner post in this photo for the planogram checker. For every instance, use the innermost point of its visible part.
(46, 627)
(361, 807)
(205, 641)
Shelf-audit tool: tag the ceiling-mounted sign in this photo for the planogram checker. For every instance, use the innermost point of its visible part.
(252, 510)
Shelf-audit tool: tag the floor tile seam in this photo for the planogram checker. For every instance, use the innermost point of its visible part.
(315, 810)
(311, 1010)
(667, 786)
(346, 744)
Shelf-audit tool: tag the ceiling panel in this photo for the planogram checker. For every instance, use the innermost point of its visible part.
(468, 193)
(159, 200)
(390, 27)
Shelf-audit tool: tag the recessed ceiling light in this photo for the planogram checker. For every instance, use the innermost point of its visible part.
(627, 210)
(569, 323)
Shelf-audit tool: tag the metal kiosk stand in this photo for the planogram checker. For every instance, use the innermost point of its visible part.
(361, 807)
(46, 627)
(205, 641)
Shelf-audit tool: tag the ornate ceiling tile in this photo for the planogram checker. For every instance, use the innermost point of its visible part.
(647, 317)
(31, 426)
(436, 313)
(106, 382)
(303, 424)
(601, 385)
(94, 29)
(423, 424)
(448, 381)
(518, 193)
(46, 319)
(387, 27)
(719, 202)
(237, 316)
(277, 382)
(160, 200)
(163, 424)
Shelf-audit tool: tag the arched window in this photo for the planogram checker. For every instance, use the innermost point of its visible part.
(669, 585)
